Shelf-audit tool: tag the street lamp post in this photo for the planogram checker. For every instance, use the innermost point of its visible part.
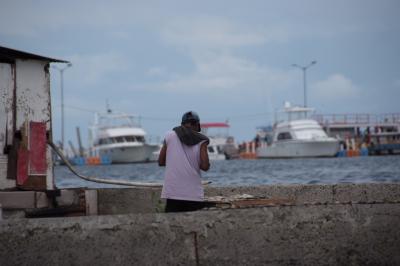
(304, 68)
(61, 70)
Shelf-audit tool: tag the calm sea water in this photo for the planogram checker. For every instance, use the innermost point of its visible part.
(378, 169)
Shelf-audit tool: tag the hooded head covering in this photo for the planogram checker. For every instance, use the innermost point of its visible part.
(187, 135)
(190, 117)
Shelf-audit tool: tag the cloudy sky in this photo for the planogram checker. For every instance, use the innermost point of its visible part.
(224, 59)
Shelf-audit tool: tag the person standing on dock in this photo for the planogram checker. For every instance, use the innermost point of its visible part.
(184, 154)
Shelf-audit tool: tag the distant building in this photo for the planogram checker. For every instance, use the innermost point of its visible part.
(25, 120)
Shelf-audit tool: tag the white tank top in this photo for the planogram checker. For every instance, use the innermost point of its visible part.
(182, 171)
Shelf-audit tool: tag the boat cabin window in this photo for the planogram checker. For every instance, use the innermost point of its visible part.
(120, 139)
(139, 138)
(105, 141)
(134, 138)
(210, 149)
(284, 136)
(130, 138)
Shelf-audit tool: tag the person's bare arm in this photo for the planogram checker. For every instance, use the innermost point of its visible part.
(204, 161)
(163, 155)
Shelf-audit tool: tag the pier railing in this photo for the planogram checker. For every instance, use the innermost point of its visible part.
(358, 119)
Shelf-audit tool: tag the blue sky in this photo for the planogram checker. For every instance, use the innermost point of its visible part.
(224, 59)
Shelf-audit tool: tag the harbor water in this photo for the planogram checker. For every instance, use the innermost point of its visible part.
(370, 169)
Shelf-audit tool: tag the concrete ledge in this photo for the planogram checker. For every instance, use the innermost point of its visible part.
(129, 200)
(366, 193)
(337, 234)
(18, 199)
(147, 200)
(328, 225)
(323, 194)
(14, 200)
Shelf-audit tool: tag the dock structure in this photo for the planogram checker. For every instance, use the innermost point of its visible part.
(375, 133)
(345, 125)
(25, 121)
(345, 224)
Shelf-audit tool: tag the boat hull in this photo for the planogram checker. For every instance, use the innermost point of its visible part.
(216, 156)
(130, 154)
(299, 149)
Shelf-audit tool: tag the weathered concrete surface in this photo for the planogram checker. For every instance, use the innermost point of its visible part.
(147, 200)
(332, 234)
(302, 194)
(129, 200)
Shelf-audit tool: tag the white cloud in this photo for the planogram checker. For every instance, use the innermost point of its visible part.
(210, 42)
(211, 32)
(224, 73)
(27, 19)
(335, 87)
(157, 72)
(95, 68)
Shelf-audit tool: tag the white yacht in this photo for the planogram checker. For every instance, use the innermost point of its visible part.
(120, 137)
(297, 136)
(221, 145)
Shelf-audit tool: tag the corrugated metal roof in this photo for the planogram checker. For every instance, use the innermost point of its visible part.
(8, 54)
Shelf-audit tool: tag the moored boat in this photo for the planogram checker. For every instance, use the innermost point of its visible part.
(297, 136)
(120, 137)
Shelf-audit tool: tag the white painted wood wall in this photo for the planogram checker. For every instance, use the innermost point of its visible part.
(32, 83)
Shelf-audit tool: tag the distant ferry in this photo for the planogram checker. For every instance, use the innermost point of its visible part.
(120, 137)
(297, 136)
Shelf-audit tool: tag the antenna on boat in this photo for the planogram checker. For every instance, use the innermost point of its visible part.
(109, 111)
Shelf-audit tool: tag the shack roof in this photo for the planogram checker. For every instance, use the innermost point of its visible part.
(8, 54)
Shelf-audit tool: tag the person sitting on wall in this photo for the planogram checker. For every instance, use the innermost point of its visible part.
(184, 154)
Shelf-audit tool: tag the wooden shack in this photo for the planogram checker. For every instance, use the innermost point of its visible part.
(25, 121)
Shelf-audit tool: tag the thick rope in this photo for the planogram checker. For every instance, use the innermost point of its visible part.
(100, 180)
(106, 181)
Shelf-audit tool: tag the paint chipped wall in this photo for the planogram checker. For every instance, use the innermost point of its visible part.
(6, 104)
(25, 96)
(33, 96)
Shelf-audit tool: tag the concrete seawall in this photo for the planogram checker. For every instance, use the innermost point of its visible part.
(328, 225)
(147, 200)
